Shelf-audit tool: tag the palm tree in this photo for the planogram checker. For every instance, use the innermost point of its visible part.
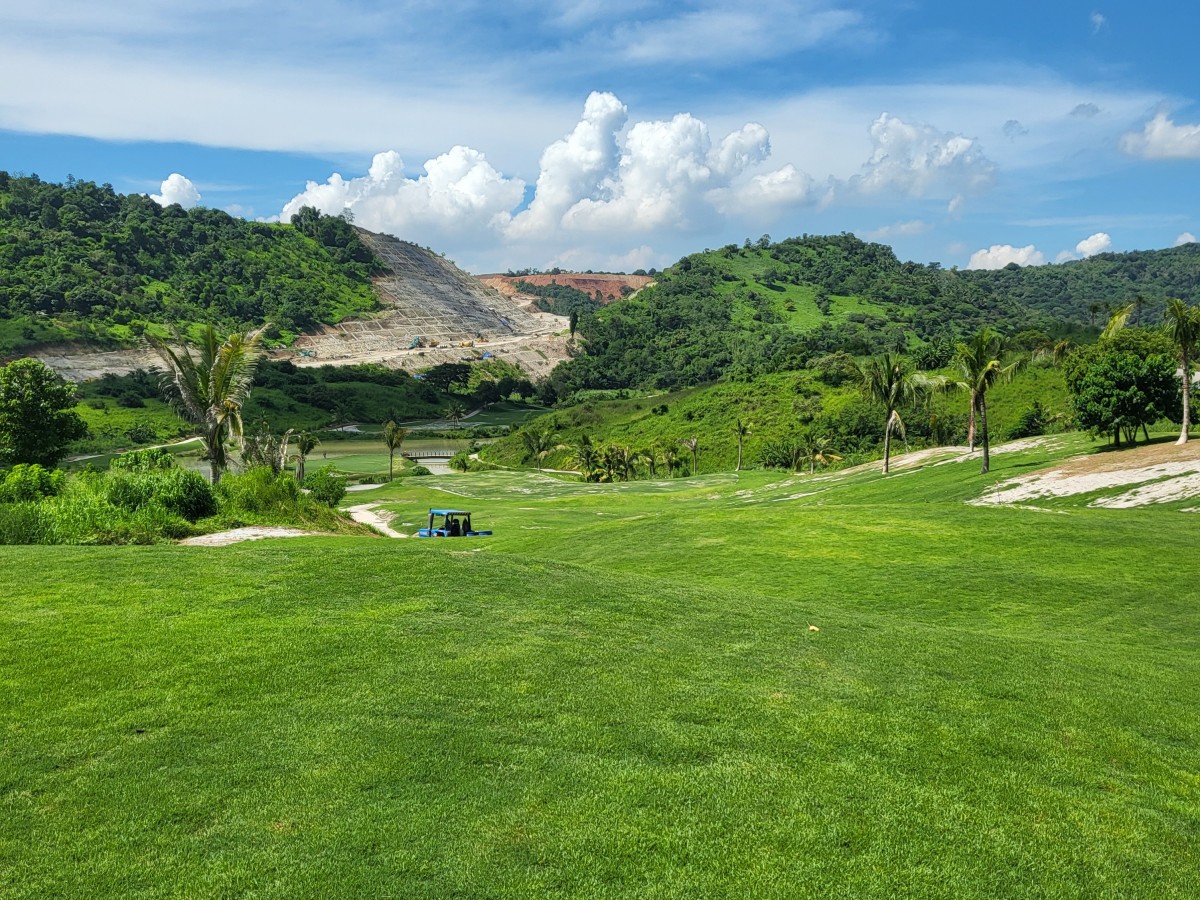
(393, 438)
(210, 387)
(741, 430)
(890, 381)
(626, 461)
(261, 448)
(668, 455)
(1117, 321)
(693, 444)
(980, 361)
(816, 450)
(584, 455)
(1183, 325)
(306, 442)
(455, 412)
(538, 442)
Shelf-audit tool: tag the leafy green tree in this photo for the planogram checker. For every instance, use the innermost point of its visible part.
(37, 416)
(1183, 327)
(1123, 383)
(209, 388)
(393, 438)
(890, 381)
(981, 362)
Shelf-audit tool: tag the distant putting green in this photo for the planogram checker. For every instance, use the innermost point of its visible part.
(756, 685)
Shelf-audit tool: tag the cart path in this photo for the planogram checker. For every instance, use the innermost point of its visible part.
(366, 514)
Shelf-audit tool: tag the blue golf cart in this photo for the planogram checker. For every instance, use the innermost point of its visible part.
(454, 523)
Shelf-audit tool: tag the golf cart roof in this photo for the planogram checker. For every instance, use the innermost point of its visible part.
(449, 512)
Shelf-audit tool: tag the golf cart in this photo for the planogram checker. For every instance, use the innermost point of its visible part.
(454, 523)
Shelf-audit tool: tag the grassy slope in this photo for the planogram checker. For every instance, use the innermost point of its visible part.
(767, 404)
(618, 693)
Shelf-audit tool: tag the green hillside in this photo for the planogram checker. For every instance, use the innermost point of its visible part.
(775, 408)
(771, 307)
(79, 261)
(714, 687)
(1087, 290)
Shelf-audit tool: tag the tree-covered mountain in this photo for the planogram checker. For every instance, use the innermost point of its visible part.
(1086, 290)
(768, 307)
(79, 260)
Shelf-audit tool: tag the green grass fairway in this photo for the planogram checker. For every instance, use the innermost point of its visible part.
(730, 686)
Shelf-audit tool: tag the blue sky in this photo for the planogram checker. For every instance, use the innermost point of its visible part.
(625, 133)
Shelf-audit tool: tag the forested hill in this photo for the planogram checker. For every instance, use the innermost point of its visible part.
(1086, 290)
(79, 260)
(765, 307)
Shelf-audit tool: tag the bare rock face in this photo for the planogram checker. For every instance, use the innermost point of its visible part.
(433, 312)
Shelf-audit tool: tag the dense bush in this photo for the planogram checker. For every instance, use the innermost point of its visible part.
(180, 491)
(29, 482)
(325, 486)
(259, 490)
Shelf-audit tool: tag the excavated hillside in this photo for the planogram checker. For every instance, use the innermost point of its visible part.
(435, 312)
(432, 312)
(608, 287)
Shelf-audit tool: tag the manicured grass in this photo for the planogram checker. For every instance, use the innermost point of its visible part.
(618, 694)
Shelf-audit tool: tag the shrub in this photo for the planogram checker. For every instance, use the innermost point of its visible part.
(419, 470)
(325, 486)
(461, 461)
(141, 460)
(260, 490)
(21, 523)
(25, 483)
(180, 492)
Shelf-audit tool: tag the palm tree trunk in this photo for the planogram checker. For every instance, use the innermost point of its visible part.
(1187, 397)
(984, 430)
(739, 465)
(971, 424)
(887, 440)
(391, 457)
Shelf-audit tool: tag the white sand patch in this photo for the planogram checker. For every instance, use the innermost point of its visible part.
(255, 533)
(1058, 483)
(365, 513)
(1160, 492)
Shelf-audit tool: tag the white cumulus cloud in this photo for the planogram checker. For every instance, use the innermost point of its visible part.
(1163, 139)
(918, 160)
(1186, 238)
(460, 191)
(1096, 243)
(1000, 255)
(665, 171)
(177, 189)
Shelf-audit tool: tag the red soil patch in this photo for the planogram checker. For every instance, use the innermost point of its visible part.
(609, 286)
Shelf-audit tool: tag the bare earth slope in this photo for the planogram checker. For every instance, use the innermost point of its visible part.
(423, 296)
(609, 286)
(428, 297)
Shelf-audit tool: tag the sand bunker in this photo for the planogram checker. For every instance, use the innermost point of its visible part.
(1160, 473)
(255, 533)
